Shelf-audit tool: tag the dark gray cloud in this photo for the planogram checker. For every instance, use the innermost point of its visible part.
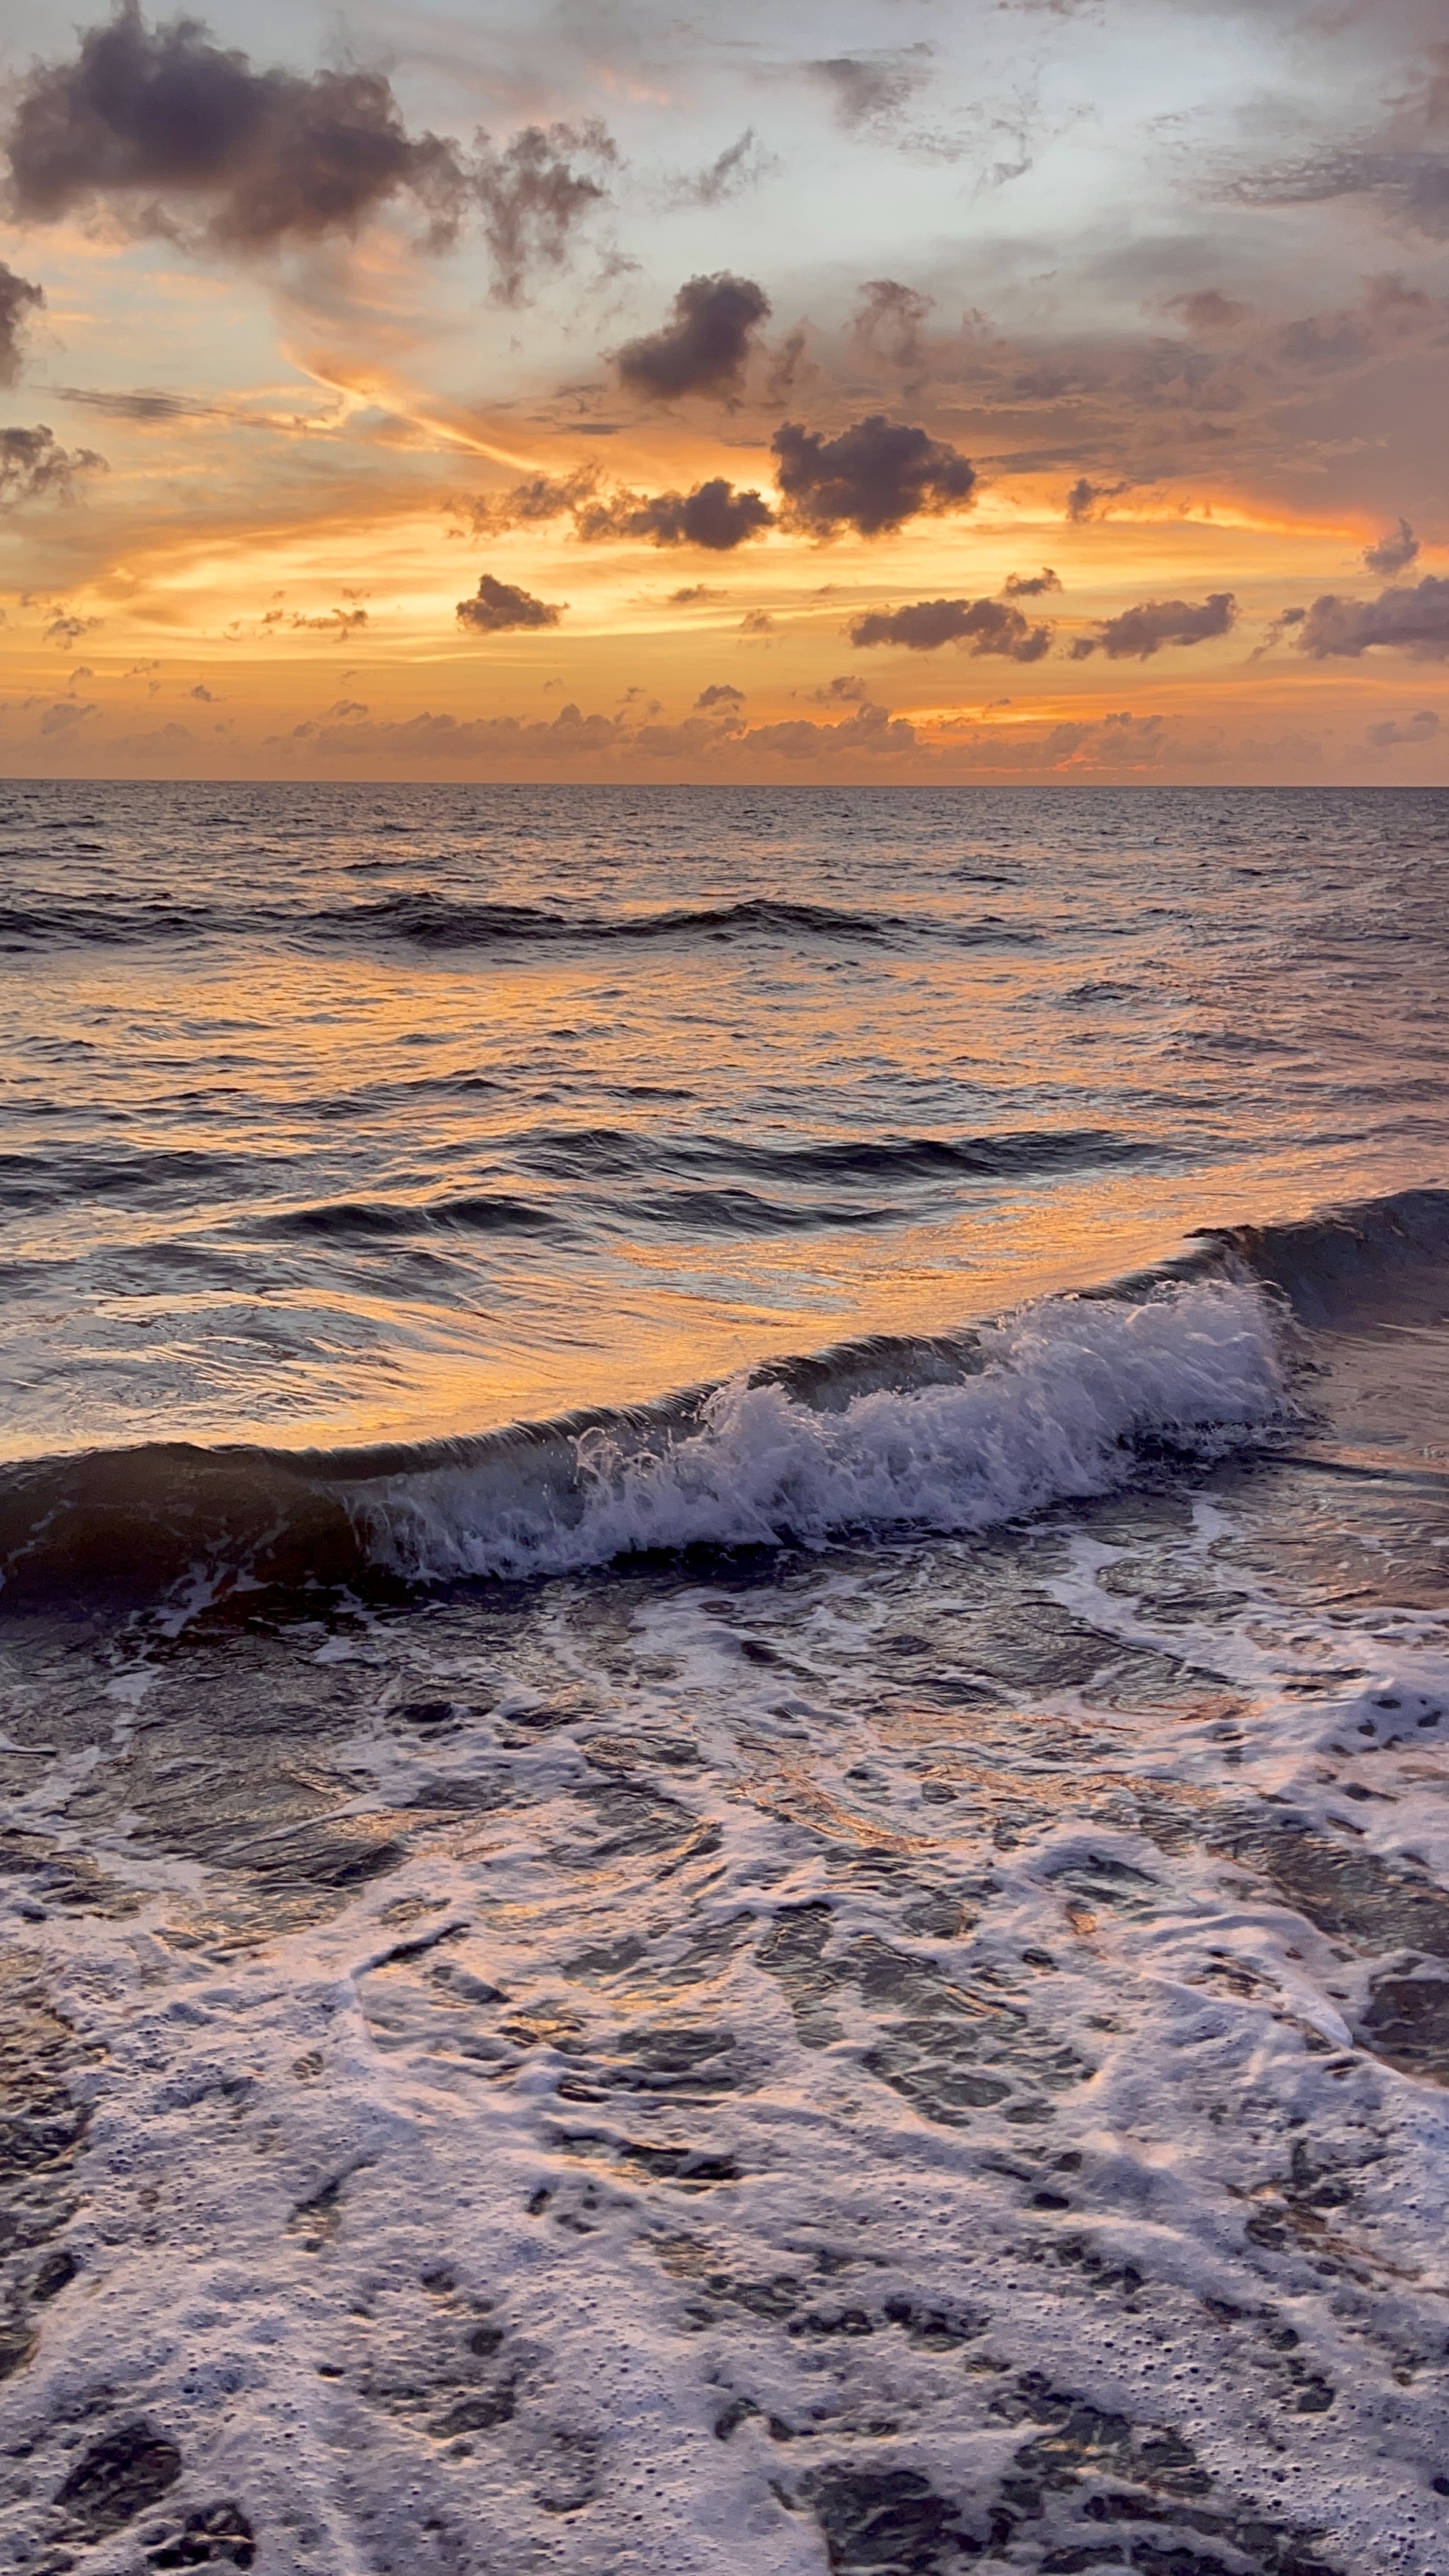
(987, 625)
(151, 113)
(1413, 620)
(1085, 499)
(870, 90)
(35, 467)
(720, 694)
(532, 195)
(1034, 585)
(1142, 631)
(873, 477)
(18, 300)
(194, 143)
(1416, 728)
(1394, 553)
(692, 593)
(705, 348)
(497, 608)
(713, 515)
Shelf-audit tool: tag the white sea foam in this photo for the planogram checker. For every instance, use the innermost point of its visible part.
(371, 2234)
(1069, 1393)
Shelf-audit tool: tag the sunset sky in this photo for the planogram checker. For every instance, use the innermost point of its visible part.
(899, 391)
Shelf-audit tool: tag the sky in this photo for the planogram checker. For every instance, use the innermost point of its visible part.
(901, 391)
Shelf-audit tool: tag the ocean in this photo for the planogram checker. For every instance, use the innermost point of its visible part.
(725, 1681)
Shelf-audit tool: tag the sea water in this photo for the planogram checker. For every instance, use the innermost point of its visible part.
(724, 1681)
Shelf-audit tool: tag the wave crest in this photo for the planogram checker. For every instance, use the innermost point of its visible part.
(1059, 1403)
(879, 1439)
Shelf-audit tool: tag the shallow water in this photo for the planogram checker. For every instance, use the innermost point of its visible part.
(898, 2023)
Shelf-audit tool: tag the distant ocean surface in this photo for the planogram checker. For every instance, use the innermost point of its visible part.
(723, 1681)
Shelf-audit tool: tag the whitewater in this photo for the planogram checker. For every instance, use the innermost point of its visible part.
(723, 1677)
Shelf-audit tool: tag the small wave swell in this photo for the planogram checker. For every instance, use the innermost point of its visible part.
(1379, 1260)
(592, 1153)
(430, 920)
(1066, 1399)
(388, 1220)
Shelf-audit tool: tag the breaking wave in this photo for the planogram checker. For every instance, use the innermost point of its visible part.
(1064, 1399)
(1068, 1398)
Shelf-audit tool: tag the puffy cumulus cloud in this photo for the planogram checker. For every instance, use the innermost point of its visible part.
(694, 594)
(699, 737)
(534, 191)
(498, 608)
(147, 114)
(1416, 728)
(443, 737)
(1032, 585)
(18, 300)
(35, 467)
(987, 625)
(704, 349)
(1394, 553)
(1413, 621)
(872, 729)
(714, 515)
(720, 694)
(757, 621)
(873, 477)
(186, 138)
(1140, 632)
